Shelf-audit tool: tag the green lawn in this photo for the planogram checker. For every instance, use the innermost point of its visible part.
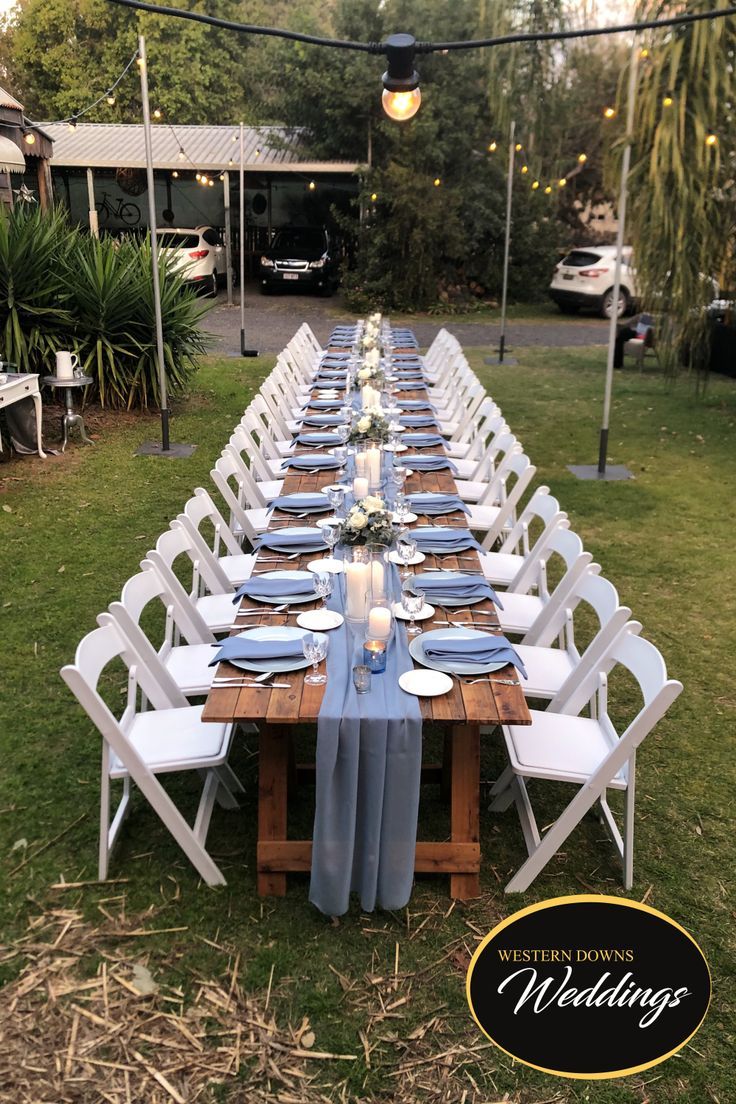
(74, 529)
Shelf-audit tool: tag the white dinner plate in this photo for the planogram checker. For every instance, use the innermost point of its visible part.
(305, 531)
(296, 503)
(406, 520)
(427, 612)
(320, 620)
(273, 632)
(329, 565)
(334, 486)
(417, 558)
(418, 643)
(425, 684)
(395, 448)
(289, 598)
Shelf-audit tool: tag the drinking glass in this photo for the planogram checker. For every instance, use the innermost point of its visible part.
(412, 602)
(330, 531)
(407, 550)
(323, 586)
(341, 454)
(343, 432)
(314, 646)
(336, 497)
(399, 475)
(362, 678)
(401, 507)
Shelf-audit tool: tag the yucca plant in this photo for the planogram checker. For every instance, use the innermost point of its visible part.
(35, 318)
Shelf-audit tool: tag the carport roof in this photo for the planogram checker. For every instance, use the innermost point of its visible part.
(121, 145)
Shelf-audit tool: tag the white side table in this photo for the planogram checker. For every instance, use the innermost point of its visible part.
(22, 385)
(70, 416)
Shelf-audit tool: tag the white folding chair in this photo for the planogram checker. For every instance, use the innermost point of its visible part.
(517, 556)
(138, 746)
(511, 479)
(483, 489)
(587, 752)
(209, 596)
(529, 614)
(236, 566)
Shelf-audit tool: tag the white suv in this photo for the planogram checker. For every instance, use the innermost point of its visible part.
(584, 278)
(199, 254)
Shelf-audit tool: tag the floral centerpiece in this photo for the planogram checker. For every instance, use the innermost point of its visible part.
(370, 426)
(370, 372)
(369, 340)
(368, 522)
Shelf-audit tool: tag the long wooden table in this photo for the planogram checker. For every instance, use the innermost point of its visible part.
(460, 713)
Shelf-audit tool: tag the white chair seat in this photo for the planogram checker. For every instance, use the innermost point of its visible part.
(237, 568)
(270, 488)
(217, 611)
(188, 665)
(482, 517)
(500, 567)
(465, 468)
(560, 746)
(547, 670)
(470, 491)
(174, 739)
(519, 612)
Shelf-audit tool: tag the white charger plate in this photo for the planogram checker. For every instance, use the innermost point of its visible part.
(399, 612)
(406, 520)
(320, 620)
(329, 565)
(425, 684)
(418, 643)
(395, 448)
(417, 558)
(272, 632)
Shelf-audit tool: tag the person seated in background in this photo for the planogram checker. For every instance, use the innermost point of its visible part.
(639, 326)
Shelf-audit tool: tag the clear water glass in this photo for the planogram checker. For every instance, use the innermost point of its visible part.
(343, 432)
(412, 603)
(340, 453)
(314, 646)
(323, 586)
(336, 497)
(399, 475)
(401, 507)
(330, 531)
(407, 550)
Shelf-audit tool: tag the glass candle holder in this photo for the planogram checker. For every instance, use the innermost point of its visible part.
(374, 656)
(362, 678)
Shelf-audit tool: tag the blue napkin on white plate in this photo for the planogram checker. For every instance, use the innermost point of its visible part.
(445, 538)
(326, 384)
(430, 502)
(417, 420)
(423, 440)
(410, 385)
(285, 540)
(317, 439)
(331, 373)
(490, 649)
(323, 420)
(246, 647)
(414, 404)
(456, 587)
(325, 404)
(428, 463)
(300, 505)
(276, 587)
(305, 461)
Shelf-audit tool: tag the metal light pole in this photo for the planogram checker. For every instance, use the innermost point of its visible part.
(151, 448)
(506, 253)
(616, 471)
(241, 211)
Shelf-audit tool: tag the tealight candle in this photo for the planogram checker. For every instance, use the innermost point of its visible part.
(379, 622)
(360, 487)
(374, 656)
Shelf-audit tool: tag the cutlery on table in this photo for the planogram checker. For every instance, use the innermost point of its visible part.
(280, 559)
(262, 609)
(465, 681)
(233, 683)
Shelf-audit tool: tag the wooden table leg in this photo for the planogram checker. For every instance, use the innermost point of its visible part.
(273, 766)
(465, 810)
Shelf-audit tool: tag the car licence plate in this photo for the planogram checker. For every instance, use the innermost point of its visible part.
(568, 275)
(291, 275)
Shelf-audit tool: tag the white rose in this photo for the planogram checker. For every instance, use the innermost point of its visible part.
(358, 520)
(364, 424)
(364, 373)
(372, 358)
(369, 342)
(372, 503)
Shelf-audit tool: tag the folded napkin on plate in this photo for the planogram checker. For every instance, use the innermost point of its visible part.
(307, 461)
(317, 439)
(458, 587)
(449, 540)
(277, 587)
(335, 358)
(326, 372)
(414, 404)
(411, 385)
(246, 647)
(324, 420)
(328, 384)
(417, 420)
(423, 440)
(490, 649)
(282, 540)
(325, 404)
(429, 502)
(428, 463)
(301, 504)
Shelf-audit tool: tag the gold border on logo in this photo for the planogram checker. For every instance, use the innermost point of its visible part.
(578, 899)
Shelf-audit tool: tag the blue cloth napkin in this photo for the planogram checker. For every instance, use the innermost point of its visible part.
(245, 647)
(327, 384)
(423, 440)
(417, 420)
(261, 587)
(285, 540)
(325, 404)
(428, 463)
(444, 539)
(307, 461)
(414, 404)
(323, 420)
(430, 502)
(299, 506)
(410, 385)
(336, 358)
(317, 439)
(331, 373)
(459, 587)
(491, 649)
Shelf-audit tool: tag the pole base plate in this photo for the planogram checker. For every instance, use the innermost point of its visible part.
(174, 451)
(497, 360)
(614, 473)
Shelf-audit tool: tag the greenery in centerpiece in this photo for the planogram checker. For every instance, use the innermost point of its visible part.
(370, 426)
(368, 522)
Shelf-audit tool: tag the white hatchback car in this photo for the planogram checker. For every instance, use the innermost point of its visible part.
(584, 278)
(199, 254)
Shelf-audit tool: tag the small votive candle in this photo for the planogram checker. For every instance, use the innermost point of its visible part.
(362, 678)
(374, 656)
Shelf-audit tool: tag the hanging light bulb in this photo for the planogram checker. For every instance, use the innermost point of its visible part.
(582, 158)
(374, 197)
(667, 100)
(711, 140)
(203, 179)
(644, 53)
(29, 138)
(518, 147)
(139, 62)
(524, 169)
(548, 190)
(492, 147)
(609, 112)
(222, 177)
(211, 183)
(401, 97)
(231, 162)
(311, 185)
(110, 97)
(437, 182)
(181, 154)
(157, 113)
(175, 174)
(562, 182)
(198, 176)
(535, 185)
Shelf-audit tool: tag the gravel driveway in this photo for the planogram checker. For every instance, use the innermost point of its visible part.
(270, 321)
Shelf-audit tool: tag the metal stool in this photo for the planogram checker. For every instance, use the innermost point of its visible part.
(70, 416)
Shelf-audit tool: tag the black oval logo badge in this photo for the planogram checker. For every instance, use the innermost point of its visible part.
(589, 986)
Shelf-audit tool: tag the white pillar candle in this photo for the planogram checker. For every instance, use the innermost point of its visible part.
(374, 466)
(365, 396)
(379, 623)
(361, 464)
(356, 584)
(360, 487)
(378, 581)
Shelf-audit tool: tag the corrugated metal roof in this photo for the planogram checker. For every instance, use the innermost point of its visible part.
(6, 100)
(121, 145)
